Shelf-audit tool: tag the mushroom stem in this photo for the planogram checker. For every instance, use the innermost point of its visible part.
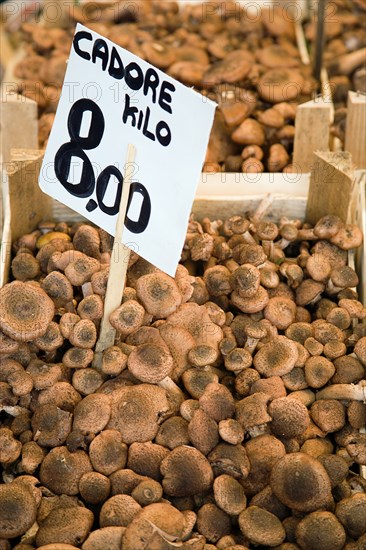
(170, 386)
(346, 64)
(87, 289)
(262, 208)
(306, 235)
(355, 392)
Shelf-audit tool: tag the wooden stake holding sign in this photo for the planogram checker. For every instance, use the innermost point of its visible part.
(356, 128)
(312, 127)
(118, 269)
(128, 101)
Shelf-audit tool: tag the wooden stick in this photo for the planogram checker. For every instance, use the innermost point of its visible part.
(356, 129)
(331, 186)
(320, 40)
(311, 132)
(118, 267)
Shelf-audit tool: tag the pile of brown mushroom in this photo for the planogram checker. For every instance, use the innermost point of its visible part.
(345, 54)
(226, 416)
(248, 63)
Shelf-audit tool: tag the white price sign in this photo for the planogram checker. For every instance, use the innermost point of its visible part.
(111, 98)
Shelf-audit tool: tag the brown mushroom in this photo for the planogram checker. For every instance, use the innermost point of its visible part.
(290, 417)
(280, 85)
(277, 357)
(94, 487)
(261, 527)
(153, 525)
(61, 470)
(229, 495)
(118, 510)
(51, 425)
(83, 334)
(92, 414)
(65, 526)
(127, 317)
(301, 482)
(250, 132)
(186, 472)
(58, 287)
(25, 311)
(150, 363)
(320, 530)
(107, 537)
(18, 510)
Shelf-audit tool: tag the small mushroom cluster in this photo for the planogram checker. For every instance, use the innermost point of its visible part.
(228, 414)
(248, 63)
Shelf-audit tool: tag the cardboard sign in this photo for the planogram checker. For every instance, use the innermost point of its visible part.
(111, 98)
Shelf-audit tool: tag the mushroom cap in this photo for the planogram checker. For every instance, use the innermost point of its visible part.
(150, 363)
(92, 414)
(51, 425)
(91, 307)
(229, 459)
(118, 510)
(65, 525)
(61, 470)
(137, 411)
(107, 452)
(318, 371)
(351, 512)
(186, 472)
(94, 487)
(127, 317)
(328, 414)
(229, 495)
(246, 278)
(328, 226)
(106, 537)
(58, 288)
(277, 357)
(159, 294)
(282, 84)
(344, 277)
(300, 482)
(254, 303)
(252, 410)
(280, 311)
(196, 319)
(275, 56)
(234, 67)
(173, 432)
(213, 522)
(308, 291)
(349, 236)
(25, 311)
(153, 527)
(320, 530)
(250, 132)
(261, 527)
(290, 417)
(145, 458)
(217, 401)
(18, 510)
(203, 432)
(83, 334)
(360, 350)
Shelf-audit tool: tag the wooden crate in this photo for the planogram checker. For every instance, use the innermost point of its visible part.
(215, 198)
